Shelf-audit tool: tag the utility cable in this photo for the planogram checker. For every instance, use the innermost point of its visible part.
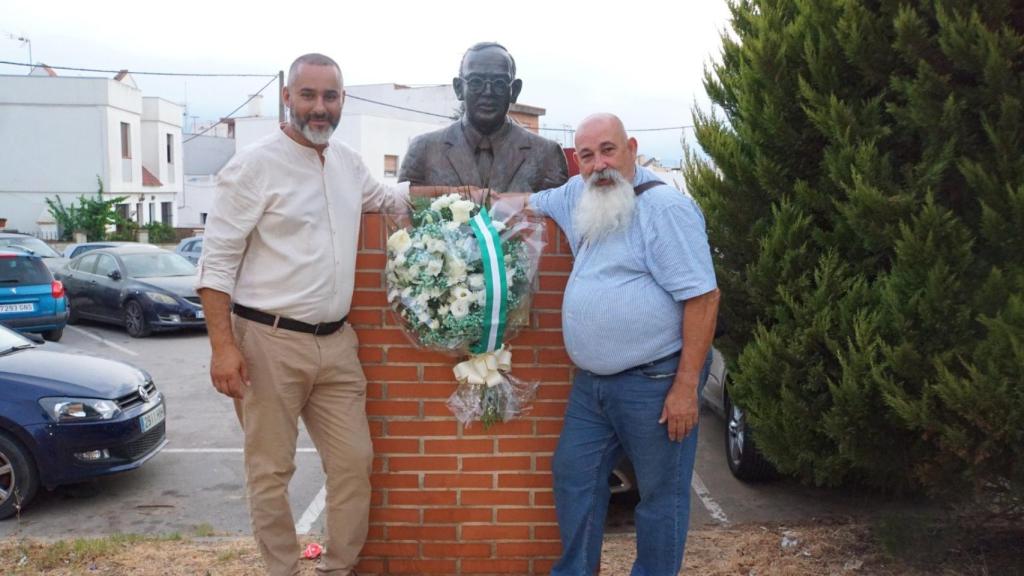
(221, 121)
(137, 73)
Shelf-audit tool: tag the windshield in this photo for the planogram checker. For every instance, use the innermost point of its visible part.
(37, 246)
(11, 340)
(157, 265)
(23, 270)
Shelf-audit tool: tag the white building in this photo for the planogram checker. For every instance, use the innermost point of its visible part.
(59, 134)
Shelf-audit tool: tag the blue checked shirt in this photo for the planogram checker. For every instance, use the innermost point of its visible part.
(624, 302)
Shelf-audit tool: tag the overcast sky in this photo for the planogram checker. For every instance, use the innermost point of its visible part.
(643, 61)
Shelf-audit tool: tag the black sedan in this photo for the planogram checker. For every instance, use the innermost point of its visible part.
(66, 418)
(141, 287)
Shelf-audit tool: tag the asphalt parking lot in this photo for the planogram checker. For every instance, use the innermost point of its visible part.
(195, 486)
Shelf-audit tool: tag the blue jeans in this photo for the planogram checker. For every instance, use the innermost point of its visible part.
(605, 416)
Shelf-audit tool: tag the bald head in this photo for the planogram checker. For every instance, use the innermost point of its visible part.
(602, 142)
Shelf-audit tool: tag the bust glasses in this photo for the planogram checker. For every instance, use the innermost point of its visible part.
(476, 84)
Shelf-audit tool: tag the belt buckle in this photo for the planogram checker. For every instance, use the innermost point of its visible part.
(316, 328)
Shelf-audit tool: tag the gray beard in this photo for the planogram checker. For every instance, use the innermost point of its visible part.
(604, 209)
(317, 137)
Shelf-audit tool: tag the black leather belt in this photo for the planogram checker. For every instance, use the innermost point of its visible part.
(321, 329)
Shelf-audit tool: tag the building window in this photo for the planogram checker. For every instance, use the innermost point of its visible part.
(202, 218)
(165, 213)
(390, 165)
(152, 212)
(138, 213)
(126, 140)
(170, 148)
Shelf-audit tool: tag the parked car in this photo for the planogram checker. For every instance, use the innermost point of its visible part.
(33, 245)
(66, 418)
(191, 248)
(75, 250)
(141, 287)
(745, 461)
(30, 299)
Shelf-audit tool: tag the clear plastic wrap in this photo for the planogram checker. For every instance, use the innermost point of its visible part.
(460, 279)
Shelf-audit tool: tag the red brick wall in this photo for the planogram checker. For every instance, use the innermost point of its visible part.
(448, 500)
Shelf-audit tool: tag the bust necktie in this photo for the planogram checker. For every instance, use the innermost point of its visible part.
(484, 159)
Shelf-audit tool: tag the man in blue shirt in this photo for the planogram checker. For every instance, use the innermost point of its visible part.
(638, 319)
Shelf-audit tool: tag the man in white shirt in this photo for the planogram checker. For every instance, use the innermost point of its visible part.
(279, 252)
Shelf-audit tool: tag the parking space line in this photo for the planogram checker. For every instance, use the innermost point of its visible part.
(221, 450)
(316, 507)
(713, 508)
(103, 340)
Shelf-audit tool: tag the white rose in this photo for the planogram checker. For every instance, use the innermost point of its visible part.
(439, 203)
(434, 267)
(460, 308)
(399, 242)
(442, 310)
(434, 324)
(461, 210)
(476, 281)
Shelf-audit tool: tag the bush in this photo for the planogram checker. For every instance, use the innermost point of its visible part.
(161, 233)
(91, 215)
(864, 192)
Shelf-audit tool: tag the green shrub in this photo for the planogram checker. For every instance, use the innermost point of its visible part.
(864, 192)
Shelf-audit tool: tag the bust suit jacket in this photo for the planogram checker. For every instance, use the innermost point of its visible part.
(523, 161)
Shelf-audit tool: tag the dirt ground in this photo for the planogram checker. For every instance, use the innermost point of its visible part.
(837, 549)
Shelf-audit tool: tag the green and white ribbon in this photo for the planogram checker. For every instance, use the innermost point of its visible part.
(495, 281)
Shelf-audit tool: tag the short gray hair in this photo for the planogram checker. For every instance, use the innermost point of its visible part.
(484, 46)
(312, 59)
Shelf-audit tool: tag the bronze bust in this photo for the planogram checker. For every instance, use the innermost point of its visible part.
(485, 148)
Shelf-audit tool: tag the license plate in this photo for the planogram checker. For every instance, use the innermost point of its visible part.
(200, 315)
(152, 418)
(28, 307)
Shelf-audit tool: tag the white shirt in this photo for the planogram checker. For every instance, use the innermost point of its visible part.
(283, 231)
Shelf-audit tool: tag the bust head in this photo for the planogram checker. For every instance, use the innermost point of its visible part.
(487, 85)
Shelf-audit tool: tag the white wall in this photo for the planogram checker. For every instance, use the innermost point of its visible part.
(249, 130)
(374, 137)
(196, 198)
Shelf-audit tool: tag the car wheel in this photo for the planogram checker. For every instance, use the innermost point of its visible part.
(18, 477)
(72, 315)
(135, 320)
(54, 335)
(745, 460)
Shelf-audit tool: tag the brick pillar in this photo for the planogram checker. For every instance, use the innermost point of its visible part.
(448, 500)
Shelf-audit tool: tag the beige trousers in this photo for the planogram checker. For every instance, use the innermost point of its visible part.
(319, 379)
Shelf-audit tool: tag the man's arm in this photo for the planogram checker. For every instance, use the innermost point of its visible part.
(682, 405)
(227, 365)
(237, 207)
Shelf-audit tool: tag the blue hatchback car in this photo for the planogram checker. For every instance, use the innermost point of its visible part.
(66, 418)
(30, 299)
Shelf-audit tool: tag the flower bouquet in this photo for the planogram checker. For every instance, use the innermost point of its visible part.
(460, 276)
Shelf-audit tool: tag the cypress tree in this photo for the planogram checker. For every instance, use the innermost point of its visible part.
(863, 186)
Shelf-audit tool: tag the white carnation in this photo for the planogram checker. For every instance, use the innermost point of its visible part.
(476, 281)
(434, 267)
(460, 308)
(460, 293)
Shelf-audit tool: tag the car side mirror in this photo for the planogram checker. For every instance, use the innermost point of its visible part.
(114, 274)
